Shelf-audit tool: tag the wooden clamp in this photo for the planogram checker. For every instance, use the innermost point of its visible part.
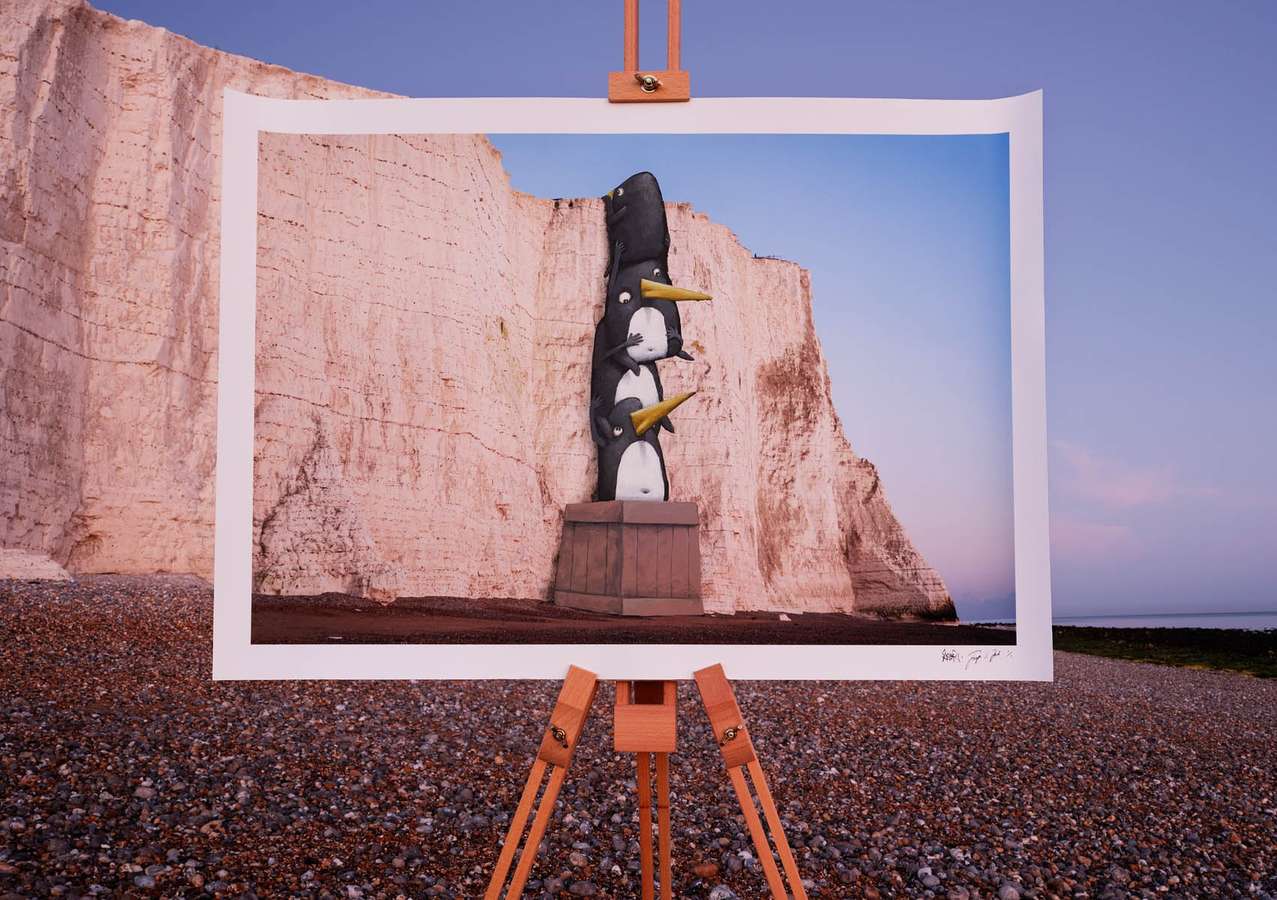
(635, 85)
(557, 745)
(646, 717)
(733, 740)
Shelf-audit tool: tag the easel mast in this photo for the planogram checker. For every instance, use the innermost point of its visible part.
(634, 85)
(646, 724)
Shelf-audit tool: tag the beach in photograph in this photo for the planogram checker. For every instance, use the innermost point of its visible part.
(340, 619)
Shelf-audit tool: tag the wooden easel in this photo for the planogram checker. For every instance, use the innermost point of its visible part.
(646, 713)
(646, 725)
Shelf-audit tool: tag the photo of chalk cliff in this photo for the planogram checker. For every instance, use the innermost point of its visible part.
(426, 431)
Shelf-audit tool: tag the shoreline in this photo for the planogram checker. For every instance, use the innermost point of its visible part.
(1244, 651)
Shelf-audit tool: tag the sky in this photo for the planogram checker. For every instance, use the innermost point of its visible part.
(1161, 255)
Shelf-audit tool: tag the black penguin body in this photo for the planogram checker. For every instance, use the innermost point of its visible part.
(638, 246)
(631, 466)
(636, 219)
(611, 380)
(640, 326)
(635, 328)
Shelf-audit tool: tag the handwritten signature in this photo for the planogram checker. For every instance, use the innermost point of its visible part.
(972, 658)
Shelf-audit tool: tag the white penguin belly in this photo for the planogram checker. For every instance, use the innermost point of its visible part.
(642, 386)
(649, 324)
(638, 477)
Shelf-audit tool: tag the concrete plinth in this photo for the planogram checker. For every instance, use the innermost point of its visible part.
(630, 558)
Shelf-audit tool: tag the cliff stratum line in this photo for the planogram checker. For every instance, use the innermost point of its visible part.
(424, 337)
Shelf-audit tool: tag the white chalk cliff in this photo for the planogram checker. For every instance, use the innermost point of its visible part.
(423, 336)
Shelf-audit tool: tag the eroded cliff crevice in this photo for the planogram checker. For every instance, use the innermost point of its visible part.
(314, 539)
(423, 353)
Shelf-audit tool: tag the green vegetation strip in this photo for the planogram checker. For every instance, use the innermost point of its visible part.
(1250, 652)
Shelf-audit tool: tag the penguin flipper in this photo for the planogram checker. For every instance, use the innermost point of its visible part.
(683, 354)
(626, 360)
(660, 393)
(617, 250)
(595, 428)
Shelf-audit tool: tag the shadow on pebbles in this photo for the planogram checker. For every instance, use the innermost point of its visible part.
(126, 770)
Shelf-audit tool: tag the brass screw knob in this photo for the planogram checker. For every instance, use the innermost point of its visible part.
(559, 735)
(730, 735)
(647, 83)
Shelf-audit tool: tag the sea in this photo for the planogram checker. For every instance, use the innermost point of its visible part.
(1252, 621)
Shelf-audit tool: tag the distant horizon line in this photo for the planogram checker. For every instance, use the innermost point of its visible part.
(1239, 612)
(1161, 615)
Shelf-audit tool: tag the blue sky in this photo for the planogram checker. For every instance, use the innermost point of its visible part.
(1161, 135)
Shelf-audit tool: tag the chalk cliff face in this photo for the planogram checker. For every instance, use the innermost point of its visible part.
(423, 353)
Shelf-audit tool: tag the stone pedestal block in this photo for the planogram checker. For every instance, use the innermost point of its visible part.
(630, 558)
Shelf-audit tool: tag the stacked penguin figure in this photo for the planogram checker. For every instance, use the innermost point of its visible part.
(640, 327)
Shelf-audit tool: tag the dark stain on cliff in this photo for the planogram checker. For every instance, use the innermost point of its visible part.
(793, 391)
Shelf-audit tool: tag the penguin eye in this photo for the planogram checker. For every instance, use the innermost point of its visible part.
(617, 431)
(620, 192)
(624, 297)
(656, 271)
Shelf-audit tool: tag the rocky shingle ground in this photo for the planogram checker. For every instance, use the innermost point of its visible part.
(126, 770)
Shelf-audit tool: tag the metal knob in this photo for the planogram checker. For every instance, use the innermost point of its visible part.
(647, 83)
(559, 735)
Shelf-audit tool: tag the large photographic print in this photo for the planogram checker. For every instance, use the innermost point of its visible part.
(540, 397)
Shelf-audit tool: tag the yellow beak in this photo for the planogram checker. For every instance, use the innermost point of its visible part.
(654, 290)
(648, 416)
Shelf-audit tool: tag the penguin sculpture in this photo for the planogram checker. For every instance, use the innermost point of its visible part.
(631, 464)
(611, 382)
(632, 336)
(636, 216)
(641, 322)
(640, 326)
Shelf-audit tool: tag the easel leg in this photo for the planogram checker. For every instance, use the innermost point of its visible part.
(566, 723)
(663, 824)
(646, 725)
(777, 829)
(538, 831)
(761, 847)
(516, 830)
(645, 823)
(738, 754)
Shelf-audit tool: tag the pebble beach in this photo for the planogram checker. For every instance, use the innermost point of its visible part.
(126, 771)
